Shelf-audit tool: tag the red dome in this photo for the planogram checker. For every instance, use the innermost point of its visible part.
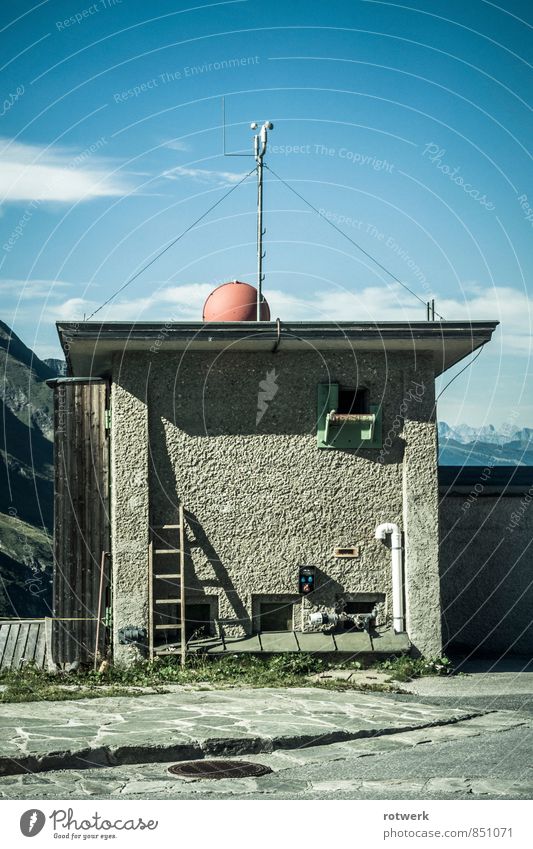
(234, 301)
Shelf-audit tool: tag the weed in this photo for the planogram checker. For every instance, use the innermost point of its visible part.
(406, 668)
(30, 684)
(33, 684)
(238, 670)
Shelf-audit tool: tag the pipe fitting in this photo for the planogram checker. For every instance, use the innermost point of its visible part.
(398, 612)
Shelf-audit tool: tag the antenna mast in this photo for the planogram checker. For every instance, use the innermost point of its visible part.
(260, 146)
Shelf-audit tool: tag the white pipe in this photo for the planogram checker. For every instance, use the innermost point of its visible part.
(398, 614)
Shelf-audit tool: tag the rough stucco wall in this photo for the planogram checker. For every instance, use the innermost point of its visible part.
(486, 572)
(261, 498)
(420, 517)
(129, 501)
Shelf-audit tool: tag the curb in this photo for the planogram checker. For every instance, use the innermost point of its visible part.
(88, 757)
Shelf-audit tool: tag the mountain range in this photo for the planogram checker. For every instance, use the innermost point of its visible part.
(26, 479)
(463, 445)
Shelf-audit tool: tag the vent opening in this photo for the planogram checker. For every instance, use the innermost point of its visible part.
(353, 401)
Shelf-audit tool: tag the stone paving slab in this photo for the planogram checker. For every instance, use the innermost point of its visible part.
(152, 780)
(363, 678)
(39, 736)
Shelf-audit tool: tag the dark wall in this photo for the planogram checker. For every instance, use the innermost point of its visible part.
(486, 558)
(81, 516)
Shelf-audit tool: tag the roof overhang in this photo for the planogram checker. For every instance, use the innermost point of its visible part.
(89, 347)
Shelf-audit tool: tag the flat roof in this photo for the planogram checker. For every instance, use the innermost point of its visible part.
(89, 346)
(485, 480)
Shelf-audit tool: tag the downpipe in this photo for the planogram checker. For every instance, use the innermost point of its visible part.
(398, 612)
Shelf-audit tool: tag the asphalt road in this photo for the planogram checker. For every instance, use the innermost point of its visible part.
(487, 756)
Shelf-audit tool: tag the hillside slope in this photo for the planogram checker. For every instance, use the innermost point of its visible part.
(26, 479)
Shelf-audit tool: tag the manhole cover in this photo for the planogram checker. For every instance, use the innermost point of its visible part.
(218, 769)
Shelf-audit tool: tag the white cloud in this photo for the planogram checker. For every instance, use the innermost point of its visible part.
(184, 303)
(30, 172)
(202, 175)
(34, 288)
(71, 309)
(176, 144)
(75, 309)
(512, 307)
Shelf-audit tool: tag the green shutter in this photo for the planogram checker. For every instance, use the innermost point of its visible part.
(350, 434)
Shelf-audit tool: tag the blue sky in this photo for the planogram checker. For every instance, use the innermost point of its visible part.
(408, 125)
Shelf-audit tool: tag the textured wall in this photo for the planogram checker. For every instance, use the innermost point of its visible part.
(129, 500)
(486, 572)
(420, 516)
(260, 496)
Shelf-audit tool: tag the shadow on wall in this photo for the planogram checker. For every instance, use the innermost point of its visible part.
(486, 581)
(327, 588)
(222, 578)
(263, 393)
(164, 492)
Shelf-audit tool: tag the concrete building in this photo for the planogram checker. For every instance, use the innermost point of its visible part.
(287, 445)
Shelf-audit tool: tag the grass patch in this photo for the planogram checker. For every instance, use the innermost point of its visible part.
(284, 670)
(32, 684)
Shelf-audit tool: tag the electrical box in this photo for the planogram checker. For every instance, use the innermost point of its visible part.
(350, 430)
(306, 580)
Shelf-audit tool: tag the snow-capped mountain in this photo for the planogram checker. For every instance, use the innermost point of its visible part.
(487, 445)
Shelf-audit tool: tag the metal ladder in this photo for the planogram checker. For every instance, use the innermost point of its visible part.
(159, 579)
